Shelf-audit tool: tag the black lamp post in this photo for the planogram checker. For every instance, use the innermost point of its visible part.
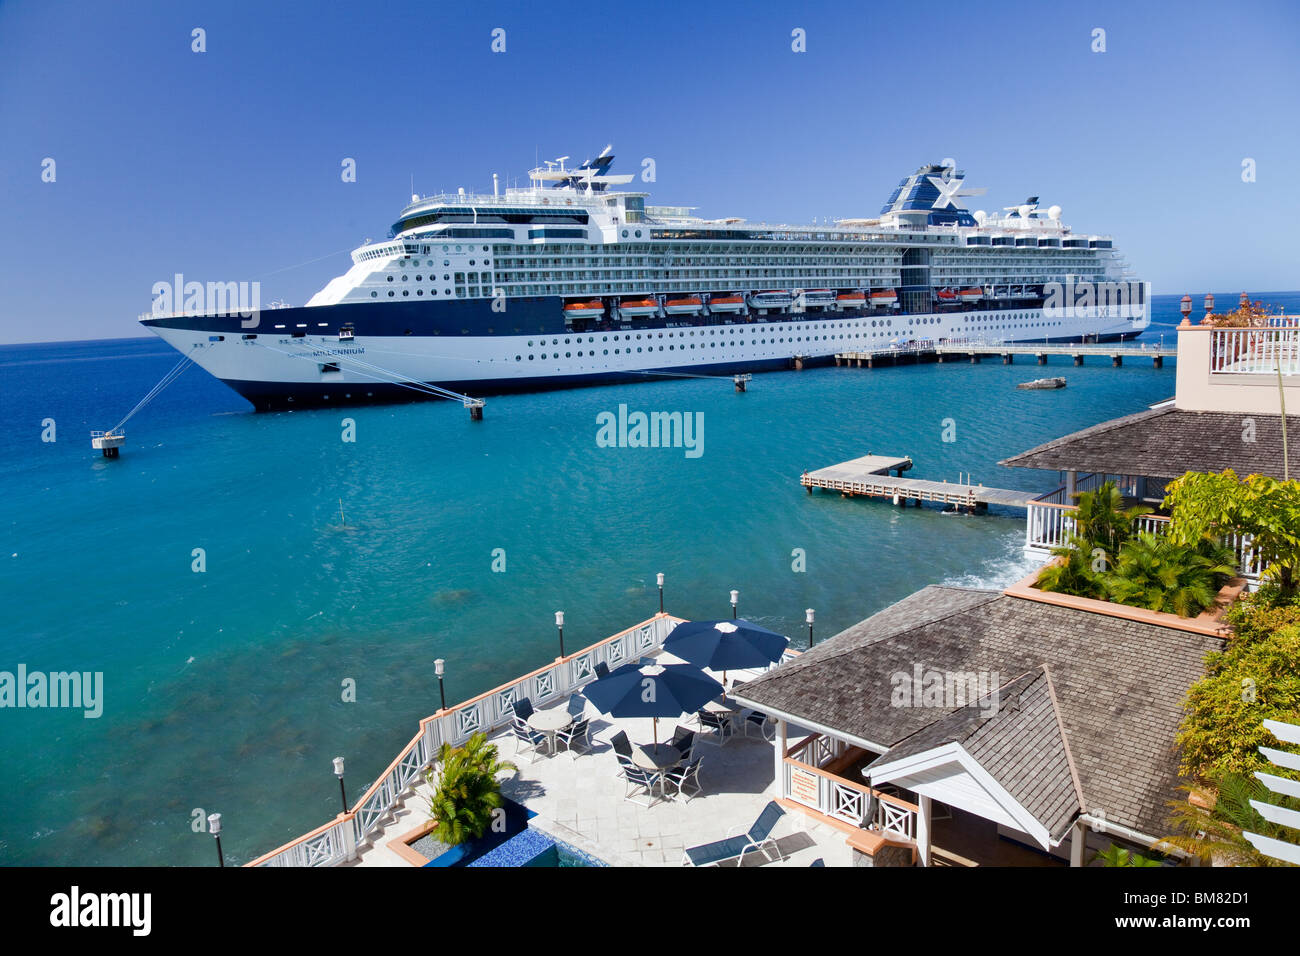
(214, 827)
(338, 772)
(660, 578)
(438, 666)
(735, 599)
(559, 625)
(808, 616)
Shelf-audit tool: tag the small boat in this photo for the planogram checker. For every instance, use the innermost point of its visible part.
(690, 305)
(855, 299)
(584, 310)
(641, 306)
(726, 303)
(971, 295)
(947, 295)
(772, 299)
(884, 298)
(1056, 382)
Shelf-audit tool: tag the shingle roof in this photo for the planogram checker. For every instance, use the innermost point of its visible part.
(1119, 684)
(1167, 442)
(1015, 734)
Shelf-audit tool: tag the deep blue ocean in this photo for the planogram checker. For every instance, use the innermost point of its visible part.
(224, 689)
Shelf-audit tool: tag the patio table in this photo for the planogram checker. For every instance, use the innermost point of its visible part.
(657, 758)
(550, 722)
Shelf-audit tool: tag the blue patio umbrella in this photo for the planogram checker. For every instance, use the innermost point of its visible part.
(652, 690)
(725, 645)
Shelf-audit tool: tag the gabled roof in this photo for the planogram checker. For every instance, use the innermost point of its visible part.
(1013, 743)
(1118, 684)
(1166, 442)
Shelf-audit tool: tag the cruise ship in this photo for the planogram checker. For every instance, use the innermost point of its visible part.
(570, 281)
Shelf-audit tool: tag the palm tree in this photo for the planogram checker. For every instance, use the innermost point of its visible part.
(1102, 520)
(466, 793)
(1210, 827)
(1159, 574)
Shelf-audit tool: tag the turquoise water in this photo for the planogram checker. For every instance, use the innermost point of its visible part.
(224, 689)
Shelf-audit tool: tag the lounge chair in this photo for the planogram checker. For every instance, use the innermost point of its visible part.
(577, 732)
(687, 775)
(759, 837)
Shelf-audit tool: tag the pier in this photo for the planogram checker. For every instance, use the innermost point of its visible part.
(880, 476)
(941, 351)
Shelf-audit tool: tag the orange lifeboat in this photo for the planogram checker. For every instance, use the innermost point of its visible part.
(641, 306)
(584, 310)
(971, 295)
(689, 305)
(884, 298)
(851, 300)
(726, 303)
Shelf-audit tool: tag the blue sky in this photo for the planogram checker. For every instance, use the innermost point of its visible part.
(225, 165)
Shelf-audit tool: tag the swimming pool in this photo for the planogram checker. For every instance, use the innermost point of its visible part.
(516, 844)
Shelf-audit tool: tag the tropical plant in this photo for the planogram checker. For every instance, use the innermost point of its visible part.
(1217, 503)
(1245, 684)
(1210, 825)
(1102, 520)
(1247, 315)
(466, 792)
(1160, 574)
(1118, 856)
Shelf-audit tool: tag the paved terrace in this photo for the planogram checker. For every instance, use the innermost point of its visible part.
(580, 800)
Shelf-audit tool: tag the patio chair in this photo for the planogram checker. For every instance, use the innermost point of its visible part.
(577, 705)
(576, 733)
(684, 741)
(622, 746)
(525, 736)
(757, 720)
(759, 837)
(719, 727)
(638, 779)
(602, 670)
(523, 708)
(687, 775)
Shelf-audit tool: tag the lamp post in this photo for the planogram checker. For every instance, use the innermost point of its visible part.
(808, 616)
(338, 772)
(214, 827)
(735, 599)
(1185, 307)
(660, 578)
(1209, 302)
(559, 624)
(438, 667)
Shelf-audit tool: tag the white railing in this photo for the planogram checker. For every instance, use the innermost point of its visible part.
(337, 842)
(1255, 351)
(1049, 525)
(843, 799)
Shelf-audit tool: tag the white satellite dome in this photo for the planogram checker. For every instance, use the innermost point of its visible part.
(980, 215)
(1054, 213)
(1025, 210)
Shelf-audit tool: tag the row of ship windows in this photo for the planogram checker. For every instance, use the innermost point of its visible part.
(776, 341)
(401, 263)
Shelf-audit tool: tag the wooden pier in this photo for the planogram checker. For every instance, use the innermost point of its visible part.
(940, 351)
(880, 476)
